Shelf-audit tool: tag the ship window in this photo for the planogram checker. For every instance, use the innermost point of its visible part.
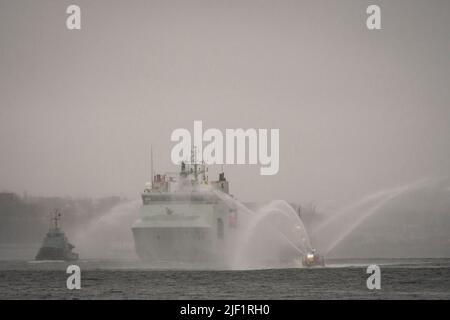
(220, 230)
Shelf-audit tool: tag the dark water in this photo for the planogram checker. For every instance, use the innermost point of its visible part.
(400, 279)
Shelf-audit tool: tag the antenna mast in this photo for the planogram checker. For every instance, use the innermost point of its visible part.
(151, 164)
(56, 217)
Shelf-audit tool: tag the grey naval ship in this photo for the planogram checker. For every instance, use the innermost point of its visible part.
(55, 245)
(183, 220)
(187, 220)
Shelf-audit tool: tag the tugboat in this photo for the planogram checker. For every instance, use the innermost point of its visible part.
(312, 259)
(55, 245)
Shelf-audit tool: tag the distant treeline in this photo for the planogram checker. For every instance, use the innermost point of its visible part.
(26, 219)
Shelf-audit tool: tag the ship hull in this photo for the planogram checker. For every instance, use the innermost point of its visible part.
(179, 245)
(51, 253)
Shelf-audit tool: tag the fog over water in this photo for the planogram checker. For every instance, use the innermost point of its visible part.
(359, 112)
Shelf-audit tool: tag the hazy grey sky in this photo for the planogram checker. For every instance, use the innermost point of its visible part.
(358, 110)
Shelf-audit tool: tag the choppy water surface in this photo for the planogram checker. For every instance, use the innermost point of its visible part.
(341, 279)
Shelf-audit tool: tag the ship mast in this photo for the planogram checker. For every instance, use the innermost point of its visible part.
(56, 217)
(151, 164)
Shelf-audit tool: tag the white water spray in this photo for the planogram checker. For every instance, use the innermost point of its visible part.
(110, 236)
(333, 231)
(273, 230)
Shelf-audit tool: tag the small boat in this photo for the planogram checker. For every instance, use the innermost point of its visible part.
(55, 245)
(312, 259)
